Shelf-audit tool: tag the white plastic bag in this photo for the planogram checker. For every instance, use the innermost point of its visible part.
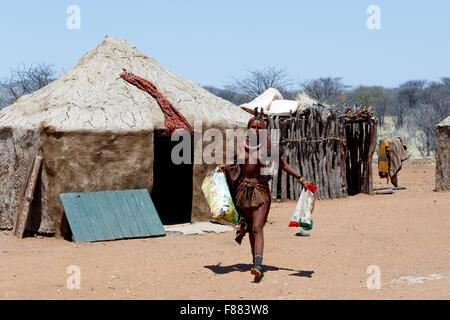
(303, 211)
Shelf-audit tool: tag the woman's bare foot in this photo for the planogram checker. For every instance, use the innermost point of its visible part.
(257, 272)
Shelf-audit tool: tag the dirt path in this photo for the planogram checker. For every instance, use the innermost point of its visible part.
(405, 234)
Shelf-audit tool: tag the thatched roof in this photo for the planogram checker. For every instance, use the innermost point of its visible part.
(92, 96)
(305, 100)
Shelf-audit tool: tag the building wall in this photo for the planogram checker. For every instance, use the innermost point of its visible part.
(18, 147)
(442, 158)
(90, 162)
(82, 161)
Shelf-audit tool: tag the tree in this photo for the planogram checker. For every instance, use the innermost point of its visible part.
(258, 81)
(347, 99)
(446, 82)
(3, 96)
(26, 79)
(437, 94)
(425, 120)
(325, 90)
(379, 98)
(434, 107)
(410, 92)
(228, 95)
(368, 96)
(408, 97)
(2, 101)
(385, 103)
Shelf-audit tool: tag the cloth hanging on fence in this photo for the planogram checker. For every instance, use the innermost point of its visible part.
(383, 165)
(391, 154)
(173, 119)
(397, 154)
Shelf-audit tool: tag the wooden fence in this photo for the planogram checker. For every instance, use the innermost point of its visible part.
(331, 150)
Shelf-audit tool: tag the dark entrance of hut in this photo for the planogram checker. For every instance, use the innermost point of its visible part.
(172, 183)
(360, 147)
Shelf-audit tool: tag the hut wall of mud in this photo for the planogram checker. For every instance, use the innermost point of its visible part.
(332, 151)
(73, 161)
(18, 147)
(443, 156)
(86, 161)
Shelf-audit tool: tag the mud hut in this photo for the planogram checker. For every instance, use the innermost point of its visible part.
(96, 132)
(443, 155)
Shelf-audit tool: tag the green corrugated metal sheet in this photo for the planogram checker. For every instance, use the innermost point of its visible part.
(110, 215)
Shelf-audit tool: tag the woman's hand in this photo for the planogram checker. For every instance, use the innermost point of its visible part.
(303, 181)
(222, 167)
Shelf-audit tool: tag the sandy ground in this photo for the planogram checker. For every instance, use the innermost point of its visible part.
(405, 234)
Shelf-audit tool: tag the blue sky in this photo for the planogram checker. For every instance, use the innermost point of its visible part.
(209, 41)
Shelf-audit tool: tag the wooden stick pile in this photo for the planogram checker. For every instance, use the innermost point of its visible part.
(328, 149)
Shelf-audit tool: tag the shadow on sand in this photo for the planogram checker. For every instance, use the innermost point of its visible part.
(241, 267)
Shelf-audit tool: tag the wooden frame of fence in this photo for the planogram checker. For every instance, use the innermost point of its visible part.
(331, 150)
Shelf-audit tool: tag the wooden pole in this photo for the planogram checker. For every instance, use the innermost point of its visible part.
(367, 145)
(270, 134)
(339, 183)
(350, 159)
(332, 155)
(21, 195)
(373, 139)
(309, 148)
(24, 209)
(296, 156)
(316, 158)
(343, 149)
(283, 173)
(363, 156)
(303, 150)
(292, 156)
(322, 155)
(276, 136)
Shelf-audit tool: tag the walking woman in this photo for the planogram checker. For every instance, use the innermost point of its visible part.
(250, 188)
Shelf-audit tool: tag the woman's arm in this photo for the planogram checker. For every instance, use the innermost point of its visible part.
(284, 166)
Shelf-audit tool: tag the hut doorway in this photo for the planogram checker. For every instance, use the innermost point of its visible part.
(172, 184)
